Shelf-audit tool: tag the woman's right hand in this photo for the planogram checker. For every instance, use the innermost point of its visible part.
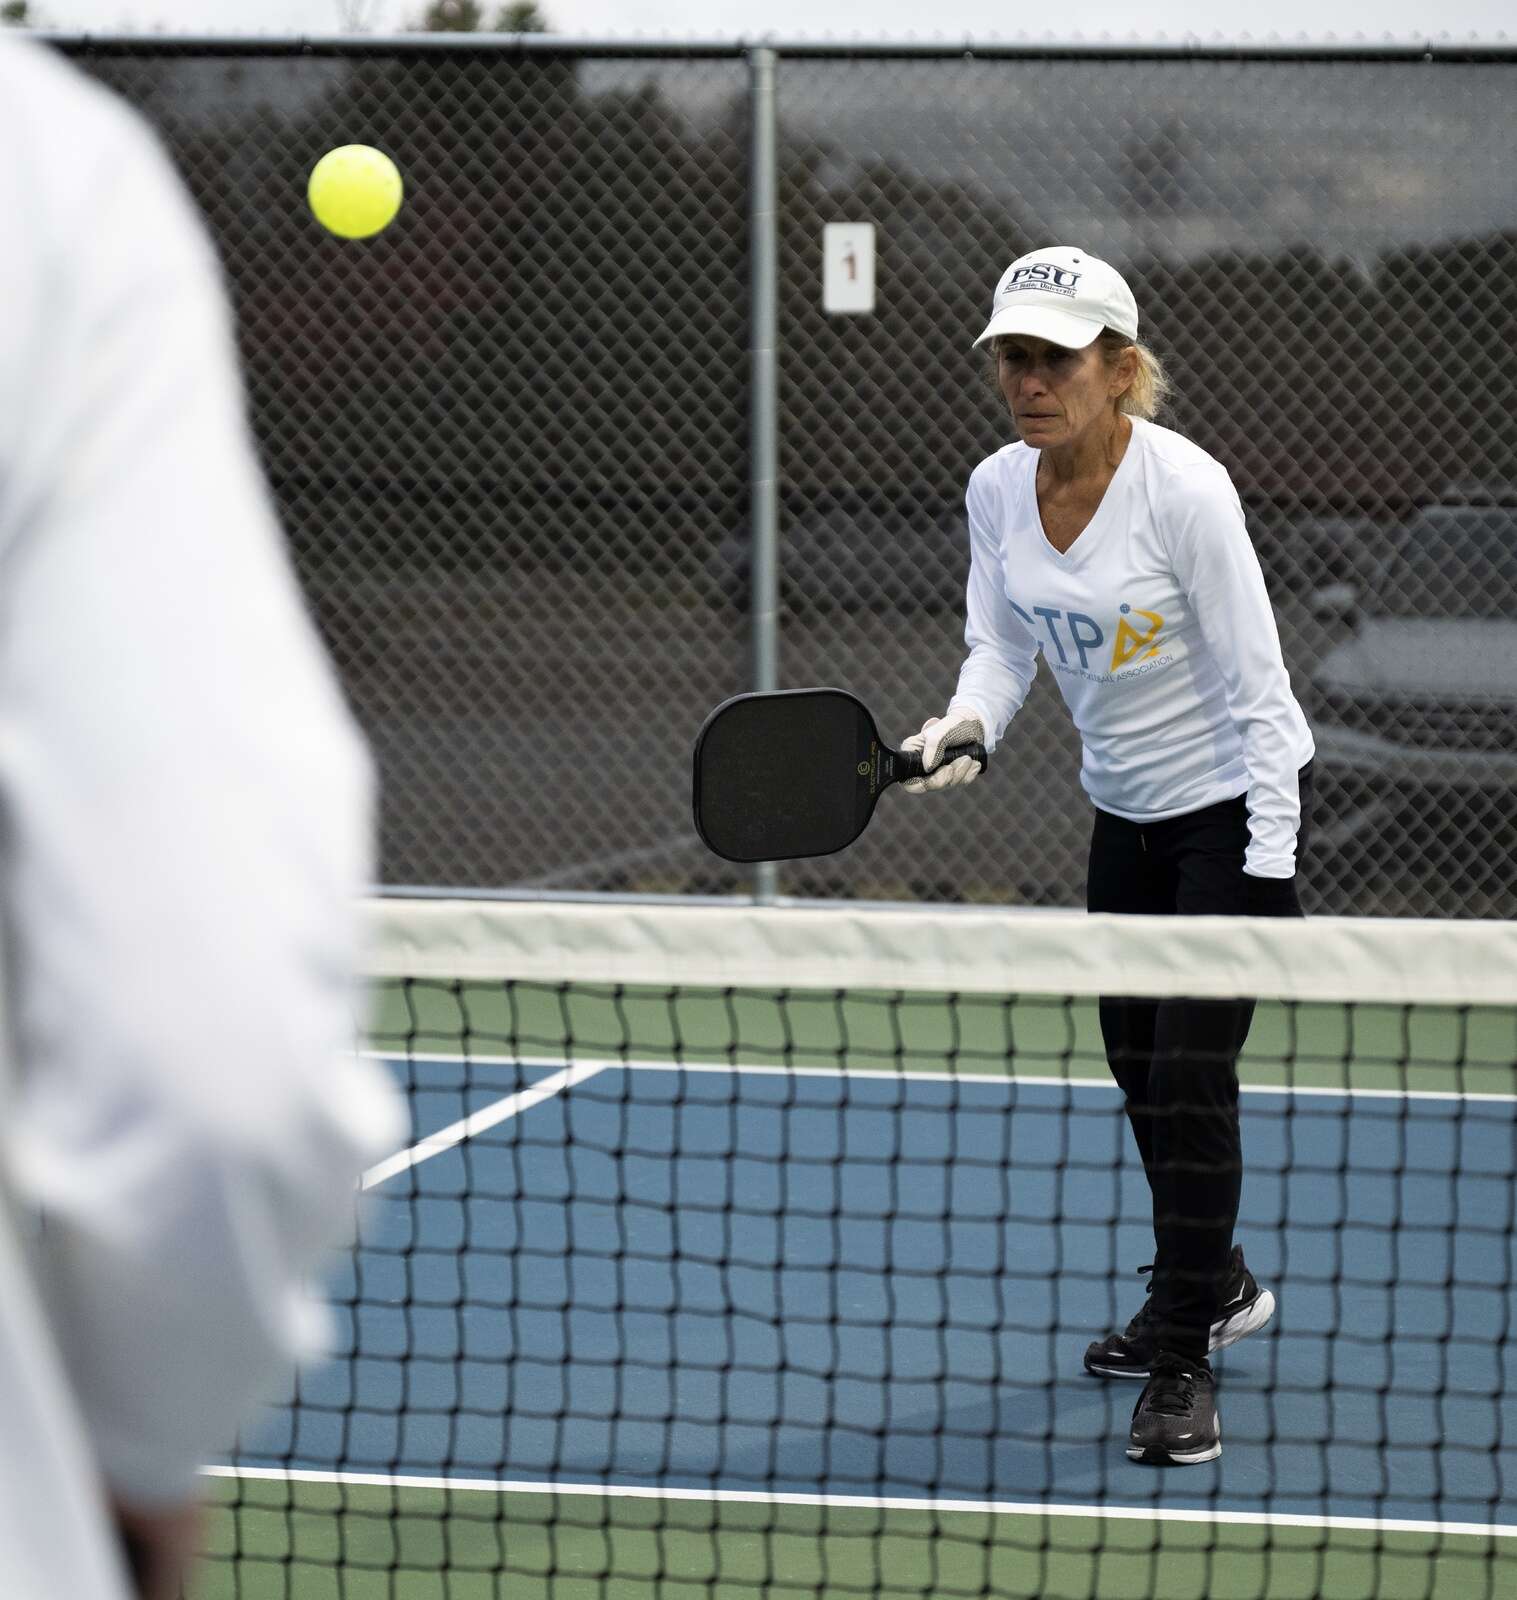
(956, 726)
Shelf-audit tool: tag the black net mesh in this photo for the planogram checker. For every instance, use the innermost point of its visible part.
(687, 1289)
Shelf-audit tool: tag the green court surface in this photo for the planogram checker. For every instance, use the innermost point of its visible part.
(1430, 1049)
(344, 1542)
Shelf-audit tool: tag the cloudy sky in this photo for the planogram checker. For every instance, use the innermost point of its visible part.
(842, 19)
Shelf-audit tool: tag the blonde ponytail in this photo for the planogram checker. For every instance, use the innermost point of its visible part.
(1150, 389)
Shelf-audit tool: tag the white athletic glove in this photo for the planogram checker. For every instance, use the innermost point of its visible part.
(955, 726)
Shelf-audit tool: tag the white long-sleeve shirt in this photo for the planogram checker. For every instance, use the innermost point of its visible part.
(185, 808)
(1158, 630)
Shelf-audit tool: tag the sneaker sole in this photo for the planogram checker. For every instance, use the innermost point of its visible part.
(1242, 1323)
(1156, 1456)
(1224, 1333)
(1098, 1371)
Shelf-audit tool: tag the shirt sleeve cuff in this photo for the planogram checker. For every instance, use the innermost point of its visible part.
(1256, 866)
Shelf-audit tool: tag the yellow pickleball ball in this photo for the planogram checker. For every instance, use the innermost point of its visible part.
(355, 191)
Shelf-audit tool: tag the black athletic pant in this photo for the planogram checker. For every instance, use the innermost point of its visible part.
(1176, 1060)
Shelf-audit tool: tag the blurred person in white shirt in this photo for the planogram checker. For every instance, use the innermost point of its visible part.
(184, 827)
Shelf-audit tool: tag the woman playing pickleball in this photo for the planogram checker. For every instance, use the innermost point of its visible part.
(1116, 549)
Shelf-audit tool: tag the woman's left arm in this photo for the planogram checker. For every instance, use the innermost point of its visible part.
(1216, 566)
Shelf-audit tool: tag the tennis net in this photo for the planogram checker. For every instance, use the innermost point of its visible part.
(754, 1251)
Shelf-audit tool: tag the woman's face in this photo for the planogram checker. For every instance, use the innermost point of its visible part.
(1055, 395)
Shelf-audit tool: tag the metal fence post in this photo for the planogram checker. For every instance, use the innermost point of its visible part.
(763, 460)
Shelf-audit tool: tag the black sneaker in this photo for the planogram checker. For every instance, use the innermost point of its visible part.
(1174, 1423)
(1245, 1308)
(1129, 1354)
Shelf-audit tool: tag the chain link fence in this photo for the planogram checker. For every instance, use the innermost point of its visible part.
(510, 438)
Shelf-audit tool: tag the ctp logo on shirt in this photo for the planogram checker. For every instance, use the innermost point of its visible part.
(1075, 637)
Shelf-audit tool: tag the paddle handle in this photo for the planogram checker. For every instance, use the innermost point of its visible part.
(908, 763)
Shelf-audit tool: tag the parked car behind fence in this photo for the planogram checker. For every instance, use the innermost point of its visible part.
(1419, 701)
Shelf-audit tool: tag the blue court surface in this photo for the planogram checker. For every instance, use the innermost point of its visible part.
(882, 1286)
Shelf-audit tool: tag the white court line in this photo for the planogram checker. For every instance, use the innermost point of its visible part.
(979, 1079)
(439, 1058)
(844, 1502)
(486, 1117)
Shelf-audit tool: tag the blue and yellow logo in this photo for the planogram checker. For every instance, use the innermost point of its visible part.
(1130, 645)
(1086, 637)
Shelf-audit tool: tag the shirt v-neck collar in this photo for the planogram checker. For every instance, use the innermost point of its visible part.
(1084, 542)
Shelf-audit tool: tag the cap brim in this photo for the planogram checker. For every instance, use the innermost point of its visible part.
(1043, 322)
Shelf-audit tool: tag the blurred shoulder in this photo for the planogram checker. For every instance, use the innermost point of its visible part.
(86, 179)
(38, 87)
(66, 140)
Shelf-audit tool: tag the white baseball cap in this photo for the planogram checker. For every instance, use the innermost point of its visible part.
(1063, 295)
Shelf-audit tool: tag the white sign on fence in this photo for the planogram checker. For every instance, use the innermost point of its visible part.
(848, 268)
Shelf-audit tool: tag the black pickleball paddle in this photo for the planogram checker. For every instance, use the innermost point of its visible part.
(794, 773)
